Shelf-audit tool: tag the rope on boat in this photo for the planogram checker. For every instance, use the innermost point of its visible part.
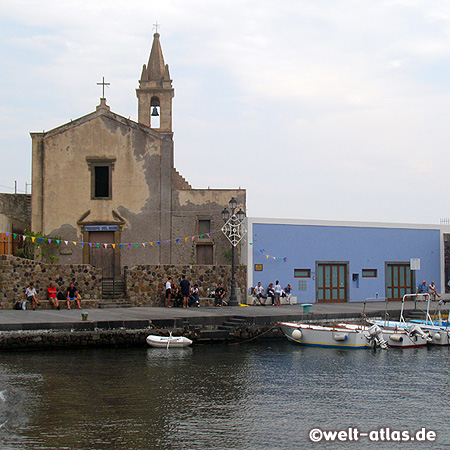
(254, 337)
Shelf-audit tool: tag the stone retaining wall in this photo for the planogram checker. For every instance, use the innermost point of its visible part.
(146, 284)
(17, 273)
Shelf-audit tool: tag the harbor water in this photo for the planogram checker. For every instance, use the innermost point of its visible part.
(265, 395)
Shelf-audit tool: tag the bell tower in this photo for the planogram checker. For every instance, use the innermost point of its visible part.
(155, 92)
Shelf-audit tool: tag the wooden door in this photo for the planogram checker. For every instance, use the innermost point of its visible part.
(331, 282)
(399, 280)
(99, 256)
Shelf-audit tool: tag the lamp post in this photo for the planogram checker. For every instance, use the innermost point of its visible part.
(234, 231)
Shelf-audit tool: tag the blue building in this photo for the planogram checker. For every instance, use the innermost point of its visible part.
(328, 261)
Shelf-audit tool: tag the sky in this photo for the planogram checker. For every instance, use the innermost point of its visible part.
(320, 109)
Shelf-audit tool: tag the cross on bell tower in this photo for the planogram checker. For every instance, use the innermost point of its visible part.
(155, 91)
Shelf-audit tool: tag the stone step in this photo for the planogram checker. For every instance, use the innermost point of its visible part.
(214, 335)
(117, 304)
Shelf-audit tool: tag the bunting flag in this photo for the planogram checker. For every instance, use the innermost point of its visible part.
(136, 244)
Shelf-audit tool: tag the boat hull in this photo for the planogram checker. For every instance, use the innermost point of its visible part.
(168, 342)
(321, 336)
(439, 334)
(395, 337)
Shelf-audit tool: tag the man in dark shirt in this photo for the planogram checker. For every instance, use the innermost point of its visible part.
(72, 295)
(219, 295)
(185, 290)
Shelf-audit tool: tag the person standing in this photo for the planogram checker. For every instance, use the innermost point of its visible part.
(31, 296)
(278, 290)
(185, 289)
(168, 291)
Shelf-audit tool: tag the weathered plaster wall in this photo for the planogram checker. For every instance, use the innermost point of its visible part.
(16, 208)
(190, 206)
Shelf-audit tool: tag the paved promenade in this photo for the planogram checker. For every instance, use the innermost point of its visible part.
(168, 317)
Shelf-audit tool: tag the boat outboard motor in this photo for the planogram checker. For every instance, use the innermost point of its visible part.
(415, 330)
(376, 335)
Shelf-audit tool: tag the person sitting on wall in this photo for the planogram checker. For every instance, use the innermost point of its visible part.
(219, 295)
(72, 295)
(194, 298)
(258, 292)
(271, 293)
(288, 292)
(422, 288)
(31, 296)
(52, 296)
(432, 291)
(177, 296)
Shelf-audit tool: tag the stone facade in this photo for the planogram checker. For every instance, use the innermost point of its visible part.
(146, 284)
(105, 179)
(17, 273)
(15, 214)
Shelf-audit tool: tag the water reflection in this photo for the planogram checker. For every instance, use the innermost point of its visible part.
(259, 396)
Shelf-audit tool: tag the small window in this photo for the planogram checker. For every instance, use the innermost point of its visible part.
(101, 182)
(258, 267)
(204, 227)
(369, 273)
(101, 177)
(302, 273)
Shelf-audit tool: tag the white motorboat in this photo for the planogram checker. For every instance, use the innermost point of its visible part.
(168, 341)
(336, 336)
(409, 337)
(435, 332)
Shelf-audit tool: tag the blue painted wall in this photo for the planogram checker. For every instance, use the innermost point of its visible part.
(362, 247)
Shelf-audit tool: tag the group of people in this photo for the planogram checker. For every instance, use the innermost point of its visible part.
(431, 290)
(71, 295)
(273, 292)
(188, 296)
(183, 295)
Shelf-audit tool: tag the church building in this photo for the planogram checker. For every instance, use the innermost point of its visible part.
(106, 187)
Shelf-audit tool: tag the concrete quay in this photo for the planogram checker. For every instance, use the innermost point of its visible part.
(130, 326)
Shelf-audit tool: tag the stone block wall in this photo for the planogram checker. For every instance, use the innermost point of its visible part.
(146, 284)
(17, 273)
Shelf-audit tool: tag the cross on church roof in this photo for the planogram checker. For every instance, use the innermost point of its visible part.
(103, 84)
(156, 26)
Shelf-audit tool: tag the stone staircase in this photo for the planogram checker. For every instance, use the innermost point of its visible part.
(222, 332)
(114, 294)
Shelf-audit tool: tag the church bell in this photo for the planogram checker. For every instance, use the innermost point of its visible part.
(155, 111)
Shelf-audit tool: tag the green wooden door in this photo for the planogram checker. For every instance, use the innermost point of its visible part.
(331, 282)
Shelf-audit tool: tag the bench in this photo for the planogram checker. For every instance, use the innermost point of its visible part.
(252, 300)
(88, 303)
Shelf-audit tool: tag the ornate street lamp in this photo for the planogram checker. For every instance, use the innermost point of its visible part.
(234, 230)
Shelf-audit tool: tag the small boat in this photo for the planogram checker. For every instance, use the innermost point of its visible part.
(420, 332)
(408, 337)
(168, 341)
(335, 336)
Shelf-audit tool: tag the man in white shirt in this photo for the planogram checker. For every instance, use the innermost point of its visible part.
(31, 296)
(258, 292)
